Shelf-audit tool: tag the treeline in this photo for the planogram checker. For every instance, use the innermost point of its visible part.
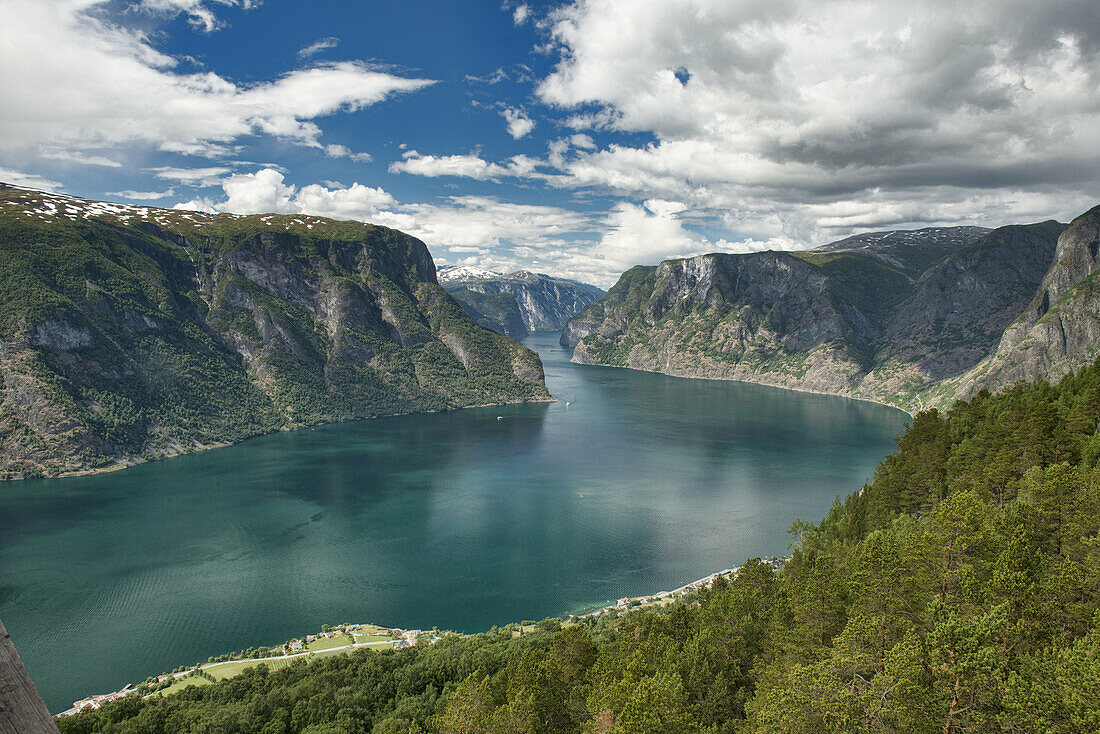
(958, 591)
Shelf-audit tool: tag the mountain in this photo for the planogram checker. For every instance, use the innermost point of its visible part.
(449, 274)
(909, 250)
(497, 311)
(133, 333)
(1060, 328)
(911, 319)
(495, 300)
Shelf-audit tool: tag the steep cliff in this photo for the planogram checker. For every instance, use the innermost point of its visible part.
(131, 333)
(496, 311)
(1059, 331)
(888, 316)
(542, 302)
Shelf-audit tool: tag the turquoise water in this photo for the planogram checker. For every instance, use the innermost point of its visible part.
(459, 520)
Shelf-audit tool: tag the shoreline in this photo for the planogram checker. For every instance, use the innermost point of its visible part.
(807, 390)
(131, 462)
(400, 638)
(202, 448)
(297, 648)
(629, 603)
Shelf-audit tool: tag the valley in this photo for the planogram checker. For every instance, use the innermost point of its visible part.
(499, 328)
(517, 304)
(628, 484)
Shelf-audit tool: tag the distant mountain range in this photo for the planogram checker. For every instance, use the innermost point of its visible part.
(913, 319)
(517, 303)
(132, 333)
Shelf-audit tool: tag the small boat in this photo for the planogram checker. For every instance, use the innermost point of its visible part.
(500, 417)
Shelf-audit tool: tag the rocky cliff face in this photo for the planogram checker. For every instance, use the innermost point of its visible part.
(497, 311)
(543, 303)
(130, 333)
(1059, 331)
(895, 317)
(958, 311)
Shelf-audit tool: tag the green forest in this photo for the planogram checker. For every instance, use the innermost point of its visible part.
(957, 591)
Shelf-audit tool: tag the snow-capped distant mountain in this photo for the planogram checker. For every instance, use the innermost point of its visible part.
(516, 303)
(447, 274)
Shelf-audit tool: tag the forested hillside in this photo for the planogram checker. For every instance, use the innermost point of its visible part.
(133, 333)
(958, 591)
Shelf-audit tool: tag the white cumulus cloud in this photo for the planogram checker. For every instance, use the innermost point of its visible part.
(28, 180)
(501, 234)
(466, 165)
(518, 123)
(645, 235)
(778, 109)
(74, 81)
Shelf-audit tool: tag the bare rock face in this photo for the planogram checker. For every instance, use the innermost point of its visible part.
(517, 303)
(527, 369)
(765, 317)
(1059, 330)
(896, 317)
(60, 335)
(575, 330)
(960, 307)
(1076, 258)
(133, 333)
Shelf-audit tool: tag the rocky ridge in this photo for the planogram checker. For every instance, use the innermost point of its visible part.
(1059, 331)
(132, 333)
(912, 319)
(517, 303)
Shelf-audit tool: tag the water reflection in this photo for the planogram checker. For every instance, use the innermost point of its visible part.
(460, 520)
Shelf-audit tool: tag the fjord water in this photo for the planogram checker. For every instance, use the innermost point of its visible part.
(631, 483)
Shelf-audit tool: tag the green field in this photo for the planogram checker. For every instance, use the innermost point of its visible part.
(323, 643)
(180, 684)
(319, 648)
(221, 671)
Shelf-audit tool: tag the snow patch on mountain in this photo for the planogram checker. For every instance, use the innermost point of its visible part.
(447, 274)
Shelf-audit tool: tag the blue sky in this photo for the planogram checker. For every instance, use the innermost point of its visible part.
(577, 137)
